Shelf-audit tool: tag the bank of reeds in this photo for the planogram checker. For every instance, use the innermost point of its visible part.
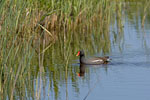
(27, 31)
(35, 33)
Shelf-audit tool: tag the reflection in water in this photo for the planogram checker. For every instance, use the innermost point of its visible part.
(82, 70)
(83, 67)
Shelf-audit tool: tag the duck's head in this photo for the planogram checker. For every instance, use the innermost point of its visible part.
(80, 53)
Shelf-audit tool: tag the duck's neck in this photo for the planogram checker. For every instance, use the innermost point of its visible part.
(82, 57)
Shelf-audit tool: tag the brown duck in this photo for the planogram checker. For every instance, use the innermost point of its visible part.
(92, 61)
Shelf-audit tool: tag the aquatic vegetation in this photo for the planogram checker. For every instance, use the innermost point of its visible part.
(36, 36)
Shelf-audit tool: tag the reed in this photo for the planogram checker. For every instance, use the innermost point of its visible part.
(38, 37)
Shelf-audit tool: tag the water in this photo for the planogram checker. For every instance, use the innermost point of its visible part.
(126, 77)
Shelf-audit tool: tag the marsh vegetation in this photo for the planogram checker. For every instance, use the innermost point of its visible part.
(39, 39)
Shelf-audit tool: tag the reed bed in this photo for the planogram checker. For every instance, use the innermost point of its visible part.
(36, 34)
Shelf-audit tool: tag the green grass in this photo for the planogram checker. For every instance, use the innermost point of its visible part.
(33, 34)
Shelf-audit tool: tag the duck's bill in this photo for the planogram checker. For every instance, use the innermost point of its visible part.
(78, 53)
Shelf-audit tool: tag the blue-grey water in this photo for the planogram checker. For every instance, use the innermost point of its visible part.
(125, 78)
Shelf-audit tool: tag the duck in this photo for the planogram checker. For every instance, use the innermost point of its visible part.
(92, 61)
